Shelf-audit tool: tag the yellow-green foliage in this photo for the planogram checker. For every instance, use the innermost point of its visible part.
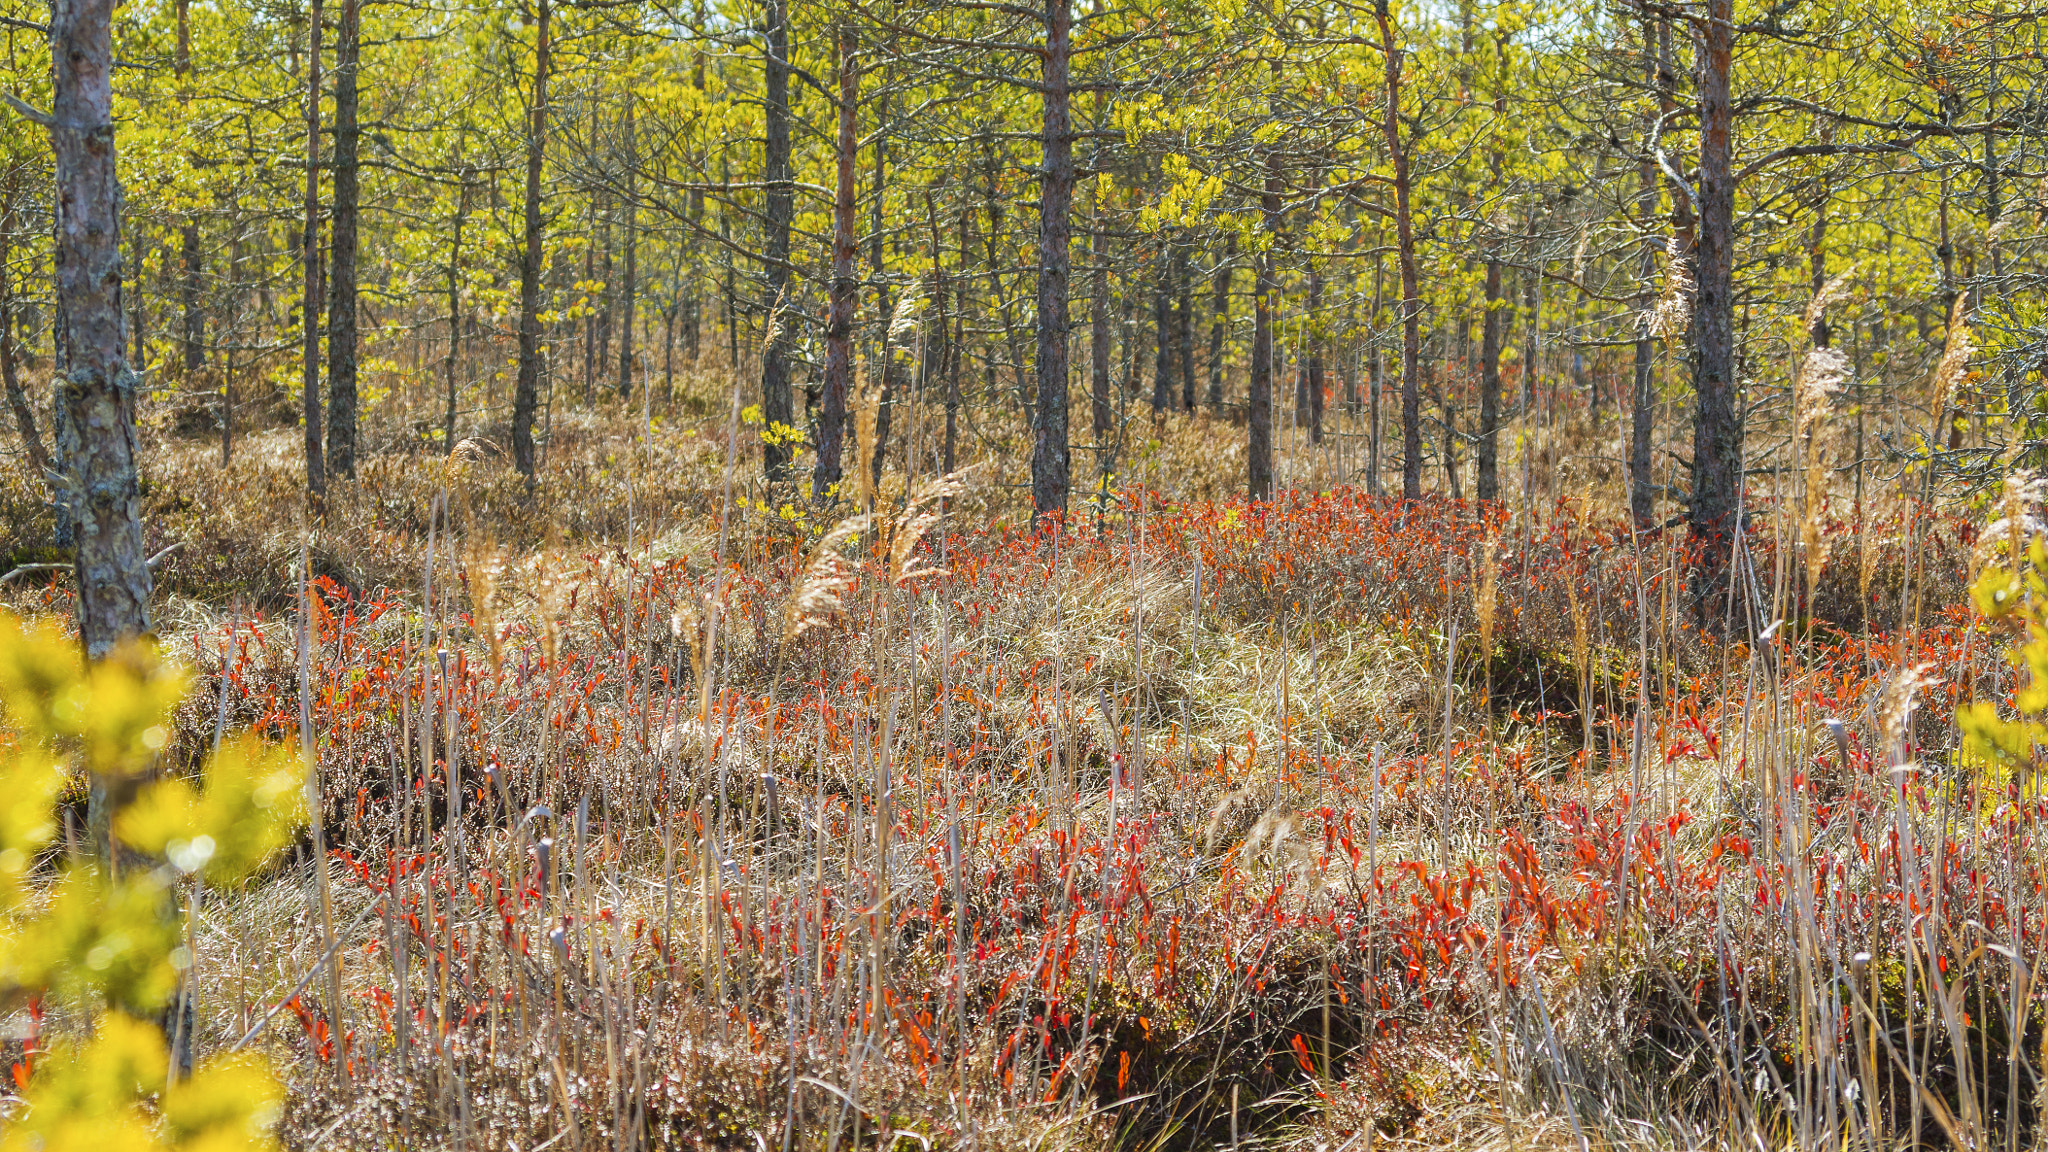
(106, 942)
(2018, 591)
(89, 1096)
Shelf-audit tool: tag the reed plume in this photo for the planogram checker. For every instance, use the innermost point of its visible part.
(923, 511)
(816, 597)
(2004, 540)
(1956, 349)
(867, 407)
(1674, 308)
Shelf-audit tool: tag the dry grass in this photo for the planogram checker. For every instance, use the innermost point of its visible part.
(1198, 826)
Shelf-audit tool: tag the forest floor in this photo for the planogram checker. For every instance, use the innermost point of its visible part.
(1324, 824)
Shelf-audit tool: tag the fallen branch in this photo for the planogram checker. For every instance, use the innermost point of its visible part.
(65, 565)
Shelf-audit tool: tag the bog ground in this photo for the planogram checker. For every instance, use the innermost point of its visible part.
(1139, 575)
(1329, 822)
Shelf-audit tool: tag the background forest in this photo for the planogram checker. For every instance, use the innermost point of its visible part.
(1147, 574)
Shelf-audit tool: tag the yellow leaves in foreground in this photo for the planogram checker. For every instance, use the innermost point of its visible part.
(116, 712)
(105, 940)
(252, 802)
(94, 938)
(92, 1097)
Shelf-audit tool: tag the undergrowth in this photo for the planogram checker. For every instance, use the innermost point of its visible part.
(1336, 821)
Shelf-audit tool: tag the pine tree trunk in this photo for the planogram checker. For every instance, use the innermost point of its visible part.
(956, 354)
(1589, 387)
(692, 302)
(1447, 402)
(629, 286)
(189, 258)
(1489, 387)
(590, 314)
(1717, 429)
(227, 368)
(10, 356)
(138, 316)
(195, 318)
(1313, 375)
(607, 298)
(777, 408)
(1372, 467)
(1642, 398)
(1219, 321)
(96, 391)
(1184, 327)
(309, 309)
(1049, 451)
(1162, 343)
(193, 269)
(1411, 294)
(1492, 325)
(341, 286)
(1532, 337)
(844, 291)
(1266, 285)
(454, 314)
(1098, 330)
(891, 384)
(526, 393)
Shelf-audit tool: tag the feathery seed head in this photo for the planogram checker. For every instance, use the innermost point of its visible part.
(816, 597)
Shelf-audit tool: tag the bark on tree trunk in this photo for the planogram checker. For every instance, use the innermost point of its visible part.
(1820, 333)
(1312, 376)
(1532, 338)
(1184, 327)
(1023, 367)
(692, 318)
(1488, 463)
(1717, 430)
(777, 409)
(1590, 390)
(956, 352)
(1411, 296)
(1219, 323)
(309, 309)
(227, 369)
(189, 259)
(1162, 342)
(341, 283)
(1049, 449)
(607, 296)
(1265, 284)
(844, 291)
(96, 391)
(1300, 388)
(138, 317)
(1378, 372)
(526, 393)
(1098, 328)
(629, 287)
(590, 314)
(885, 307)
(10, 357)
(938, 339)
(1642, 397)
(454, 313)
(1489, 388)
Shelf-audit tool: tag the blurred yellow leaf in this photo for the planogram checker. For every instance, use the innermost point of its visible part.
(94, 938)
(86, 1099)
(39, 666)
(230, 1103)
(252, 805)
